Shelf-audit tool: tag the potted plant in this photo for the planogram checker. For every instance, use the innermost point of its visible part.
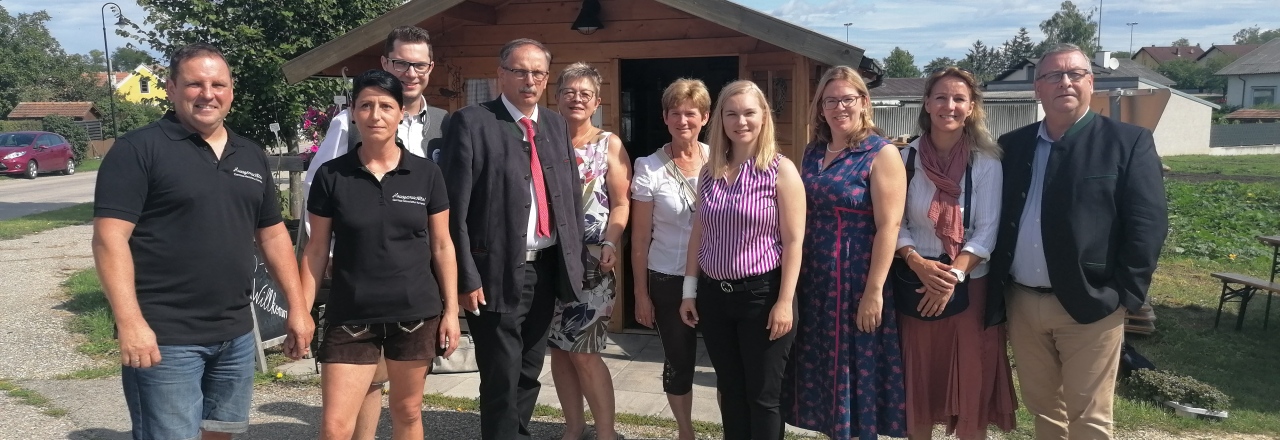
(1186, 395)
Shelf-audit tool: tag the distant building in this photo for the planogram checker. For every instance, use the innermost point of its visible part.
(1154, 56)
(1253, 79)
(1230, 51)
(141, 84)
(1180, 122)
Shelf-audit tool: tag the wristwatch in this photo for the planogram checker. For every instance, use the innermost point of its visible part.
(959, 274)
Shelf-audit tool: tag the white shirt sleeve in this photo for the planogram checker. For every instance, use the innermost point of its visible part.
(333, 146)
(904, 232)
(642, 182)
(988, 181)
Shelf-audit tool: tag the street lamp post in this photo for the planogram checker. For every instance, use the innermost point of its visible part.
(106, 55)
(1131, 25)
(846, 32)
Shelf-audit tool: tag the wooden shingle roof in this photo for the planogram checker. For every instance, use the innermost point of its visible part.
(37, 110)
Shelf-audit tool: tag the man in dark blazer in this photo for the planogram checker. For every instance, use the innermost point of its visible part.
(518, 232)
(1083, 220)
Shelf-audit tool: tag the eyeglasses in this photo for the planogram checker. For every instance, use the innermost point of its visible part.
(401, 66)
(1072, 75)
(537, 75)
(833, 103)
(571, 94)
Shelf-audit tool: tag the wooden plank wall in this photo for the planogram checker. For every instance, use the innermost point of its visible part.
(634, 29)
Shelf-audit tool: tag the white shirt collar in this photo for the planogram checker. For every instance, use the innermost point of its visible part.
(1042, 134)
(516, 115)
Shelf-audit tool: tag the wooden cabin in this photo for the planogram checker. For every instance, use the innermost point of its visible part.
(639, 47)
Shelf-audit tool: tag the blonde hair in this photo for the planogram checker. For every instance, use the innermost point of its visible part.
(821, 129)
(766, 143)
(975, 126)
(686, 90)
(578, 71)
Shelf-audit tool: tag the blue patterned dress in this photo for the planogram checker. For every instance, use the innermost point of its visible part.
(840, 381)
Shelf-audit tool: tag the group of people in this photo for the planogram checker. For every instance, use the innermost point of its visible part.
(848, 292)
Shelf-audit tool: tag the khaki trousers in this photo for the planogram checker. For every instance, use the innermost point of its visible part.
(1067, 370)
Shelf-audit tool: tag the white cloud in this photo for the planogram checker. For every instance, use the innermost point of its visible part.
(77, 24)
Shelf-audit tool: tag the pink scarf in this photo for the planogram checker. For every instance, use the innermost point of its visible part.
(944, 210)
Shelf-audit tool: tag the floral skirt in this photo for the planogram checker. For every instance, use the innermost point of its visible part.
(581, 326)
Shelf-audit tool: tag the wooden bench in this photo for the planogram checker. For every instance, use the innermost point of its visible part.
(1249, 286)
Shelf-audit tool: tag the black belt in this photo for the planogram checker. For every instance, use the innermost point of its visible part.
(1040, 290)
(746, 284)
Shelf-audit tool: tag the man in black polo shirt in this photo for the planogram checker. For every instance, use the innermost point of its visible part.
(178, 207)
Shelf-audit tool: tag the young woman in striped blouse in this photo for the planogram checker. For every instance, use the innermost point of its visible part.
(744, 261)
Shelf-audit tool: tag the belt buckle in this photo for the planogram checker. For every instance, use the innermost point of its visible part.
(726, 287)
(531, 255)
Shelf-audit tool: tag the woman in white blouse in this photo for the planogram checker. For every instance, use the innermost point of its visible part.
(957, 370)
(664, 193)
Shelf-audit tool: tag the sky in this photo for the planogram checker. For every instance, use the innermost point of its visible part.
(928, 29)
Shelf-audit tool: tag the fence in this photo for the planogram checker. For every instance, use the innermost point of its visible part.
(1236, 135)
(1001, 118)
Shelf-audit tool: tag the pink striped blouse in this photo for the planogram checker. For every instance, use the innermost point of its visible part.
(740, 232)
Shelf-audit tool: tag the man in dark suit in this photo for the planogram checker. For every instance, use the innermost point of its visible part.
(1084, 218)
(516, 200)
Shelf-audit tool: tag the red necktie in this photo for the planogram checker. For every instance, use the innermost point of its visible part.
(543, 227)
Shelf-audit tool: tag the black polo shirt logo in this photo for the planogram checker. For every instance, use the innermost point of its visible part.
(247, 174)
(416, 200)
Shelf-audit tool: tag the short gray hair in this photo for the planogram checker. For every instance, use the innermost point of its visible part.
(1058, 48)
(580, 70)
(512, 45)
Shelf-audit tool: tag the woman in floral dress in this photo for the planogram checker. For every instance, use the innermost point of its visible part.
(578, 328)
(845, 377)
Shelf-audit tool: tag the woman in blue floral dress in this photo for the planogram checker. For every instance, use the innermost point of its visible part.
(578, 328)
(845, 377)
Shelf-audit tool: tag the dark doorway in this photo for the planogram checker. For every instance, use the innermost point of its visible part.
(643, 130)
(643, 81)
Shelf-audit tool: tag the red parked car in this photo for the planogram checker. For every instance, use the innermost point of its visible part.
(30, 153)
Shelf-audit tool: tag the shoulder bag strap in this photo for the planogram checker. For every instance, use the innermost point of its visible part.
(688, 192)
(968, 194)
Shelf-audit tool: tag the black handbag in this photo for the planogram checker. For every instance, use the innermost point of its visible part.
(905, 281)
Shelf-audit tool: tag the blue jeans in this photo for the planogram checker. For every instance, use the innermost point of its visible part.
(194, 387)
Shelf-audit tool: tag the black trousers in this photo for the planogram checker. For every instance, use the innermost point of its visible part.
(510, 348)
(748, 365)
(679, 341)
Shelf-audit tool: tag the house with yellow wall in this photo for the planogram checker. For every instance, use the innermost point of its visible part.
(141, 84)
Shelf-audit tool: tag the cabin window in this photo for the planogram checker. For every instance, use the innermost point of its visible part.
(145, 85)
(481, 90)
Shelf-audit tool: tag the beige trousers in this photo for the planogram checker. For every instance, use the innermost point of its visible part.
(1067, 370)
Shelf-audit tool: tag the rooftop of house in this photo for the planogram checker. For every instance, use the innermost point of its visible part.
(1264, 59)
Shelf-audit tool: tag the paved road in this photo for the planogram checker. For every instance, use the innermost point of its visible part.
(19, 197)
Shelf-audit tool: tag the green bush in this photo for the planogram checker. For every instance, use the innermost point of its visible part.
(8, 126)
(1219, 220)
(1159, 386)
(75, 134)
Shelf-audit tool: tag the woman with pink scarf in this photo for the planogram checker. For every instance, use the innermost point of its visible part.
(957, 370)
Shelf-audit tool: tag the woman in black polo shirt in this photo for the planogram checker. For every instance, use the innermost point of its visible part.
(394, 274)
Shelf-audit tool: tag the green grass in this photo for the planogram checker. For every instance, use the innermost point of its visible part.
(1219, 221)
(88, 165)
(44, 221)
(1266, 165)
(32, 398)
(92, 314)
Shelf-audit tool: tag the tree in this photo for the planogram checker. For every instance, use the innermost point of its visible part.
(127, 58)
(1255, 35)
(33, 66)
(901, 64)
(257, 41)
(75, 134)
(1186, 74)
(938, 64)
(1215, 83)
(1122, 55)
(97, 60)
(1069, 25)
(985, 62)
(1017, 49)
(1181, 42)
